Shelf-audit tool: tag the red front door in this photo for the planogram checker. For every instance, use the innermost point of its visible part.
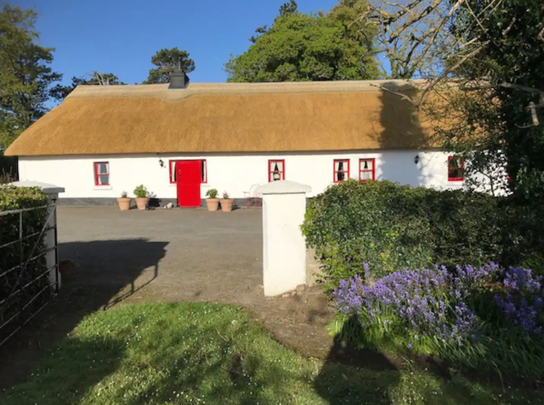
(188, 178)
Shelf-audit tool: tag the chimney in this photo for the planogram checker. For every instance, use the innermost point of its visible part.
(178, 79)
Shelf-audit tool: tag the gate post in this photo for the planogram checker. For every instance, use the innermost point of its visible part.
(284, 248)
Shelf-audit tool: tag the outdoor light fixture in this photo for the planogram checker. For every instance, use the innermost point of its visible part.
(416, 159)
(161, 163)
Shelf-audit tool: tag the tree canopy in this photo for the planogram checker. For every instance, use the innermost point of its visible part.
(166, 61)
(315, 47)
(25, 77)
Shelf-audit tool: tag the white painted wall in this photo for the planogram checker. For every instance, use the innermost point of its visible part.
(235, 173)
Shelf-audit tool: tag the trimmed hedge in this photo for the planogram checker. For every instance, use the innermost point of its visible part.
(12, 198)
(391, 227)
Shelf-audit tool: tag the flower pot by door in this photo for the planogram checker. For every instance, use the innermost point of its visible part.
(226, 204)
(213, 204)
(141, 202)
(124, 203)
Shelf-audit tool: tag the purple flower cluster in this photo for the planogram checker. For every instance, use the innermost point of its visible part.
(523, 302)
(436, 302)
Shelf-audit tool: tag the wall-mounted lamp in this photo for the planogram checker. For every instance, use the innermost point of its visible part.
(161, 163)
(416, 159)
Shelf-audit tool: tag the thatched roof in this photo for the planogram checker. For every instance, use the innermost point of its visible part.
(226, 117)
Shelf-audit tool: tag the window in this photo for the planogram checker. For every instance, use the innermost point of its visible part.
(102, 173)
(276, 170)
(456, 168)
(367, 169)
(203, 168)
(341, 170)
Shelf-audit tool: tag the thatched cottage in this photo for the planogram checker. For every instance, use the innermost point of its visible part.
(181, 139)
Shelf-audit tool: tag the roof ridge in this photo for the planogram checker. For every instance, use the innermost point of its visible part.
(162, 91)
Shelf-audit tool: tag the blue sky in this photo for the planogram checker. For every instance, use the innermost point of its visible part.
(120, 36)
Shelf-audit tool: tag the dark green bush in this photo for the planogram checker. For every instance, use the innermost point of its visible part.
(390, 227)
(12, 198)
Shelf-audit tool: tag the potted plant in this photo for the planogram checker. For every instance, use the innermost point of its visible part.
(141, 197)
(124, 201)
(212, 201)
(226, 202)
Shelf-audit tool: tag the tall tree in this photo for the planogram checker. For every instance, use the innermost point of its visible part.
(25, 77)
(93, 79)
(485, 59)
(301, 47)
(289, 8)
(166, 61)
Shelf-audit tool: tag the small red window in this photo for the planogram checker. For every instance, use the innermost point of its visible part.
(456, 168)
(102, 173)
(367, 169)
(203, 168)
(341, 170)
(276, 170)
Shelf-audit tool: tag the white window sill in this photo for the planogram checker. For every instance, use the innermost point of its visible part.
(102, 188)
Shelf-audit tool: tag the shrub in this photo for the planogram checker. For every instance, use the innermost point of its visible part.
(12, 198)
(487, 317)
(211, 193)
(390, 226)
(141, 191)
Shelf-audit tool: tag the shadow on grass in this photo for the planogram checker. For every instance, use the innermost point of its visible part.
(102, 273)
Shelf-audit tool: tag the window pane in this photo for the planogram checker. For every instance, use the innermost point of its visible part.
(102, 168)
(172, 171)
(366, 175)
(103, 179)
(203, 171)
(367, 165)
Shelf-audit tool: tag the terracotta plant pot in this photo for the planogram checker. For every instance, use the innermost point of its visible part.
(213, 204)
(141, 202)
(124, 203)
(226, 204)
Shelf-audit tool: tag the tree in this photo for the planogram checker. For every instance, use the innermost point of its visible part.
(290, 7)
(166, 61)
(93, 79)
(301, 47)
(25, 77)
(483, 60)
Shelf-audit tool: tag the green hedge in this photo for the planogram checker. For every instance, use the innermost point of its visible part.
(390, 227)
(12, 198)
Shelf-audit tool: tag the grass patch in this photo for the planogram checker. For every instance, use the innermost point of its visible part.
(198, 353)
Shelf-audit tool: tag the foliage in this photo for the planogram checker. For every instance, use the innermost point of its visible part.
(301, 47)
(25, 77)
(196, 353)
(12, 198)
(166, 61)
(471, 316)
(211, 193)
(390, 226)
(124, 194)
(140, 191)
(96, 79)
(8, 169)
(225, 195)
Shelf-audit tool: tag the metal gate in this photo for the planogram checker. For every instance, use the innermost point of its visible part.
(22, 294)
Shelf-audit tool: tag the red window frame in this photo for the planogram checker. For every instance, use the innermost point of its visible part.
(461, 168)
(373, 170)
(96, 174)
(171, 173)
(271, 172)
(335, 172)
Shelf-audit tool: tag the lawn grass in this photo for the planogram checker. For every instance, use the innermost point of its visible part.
(198, 353)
